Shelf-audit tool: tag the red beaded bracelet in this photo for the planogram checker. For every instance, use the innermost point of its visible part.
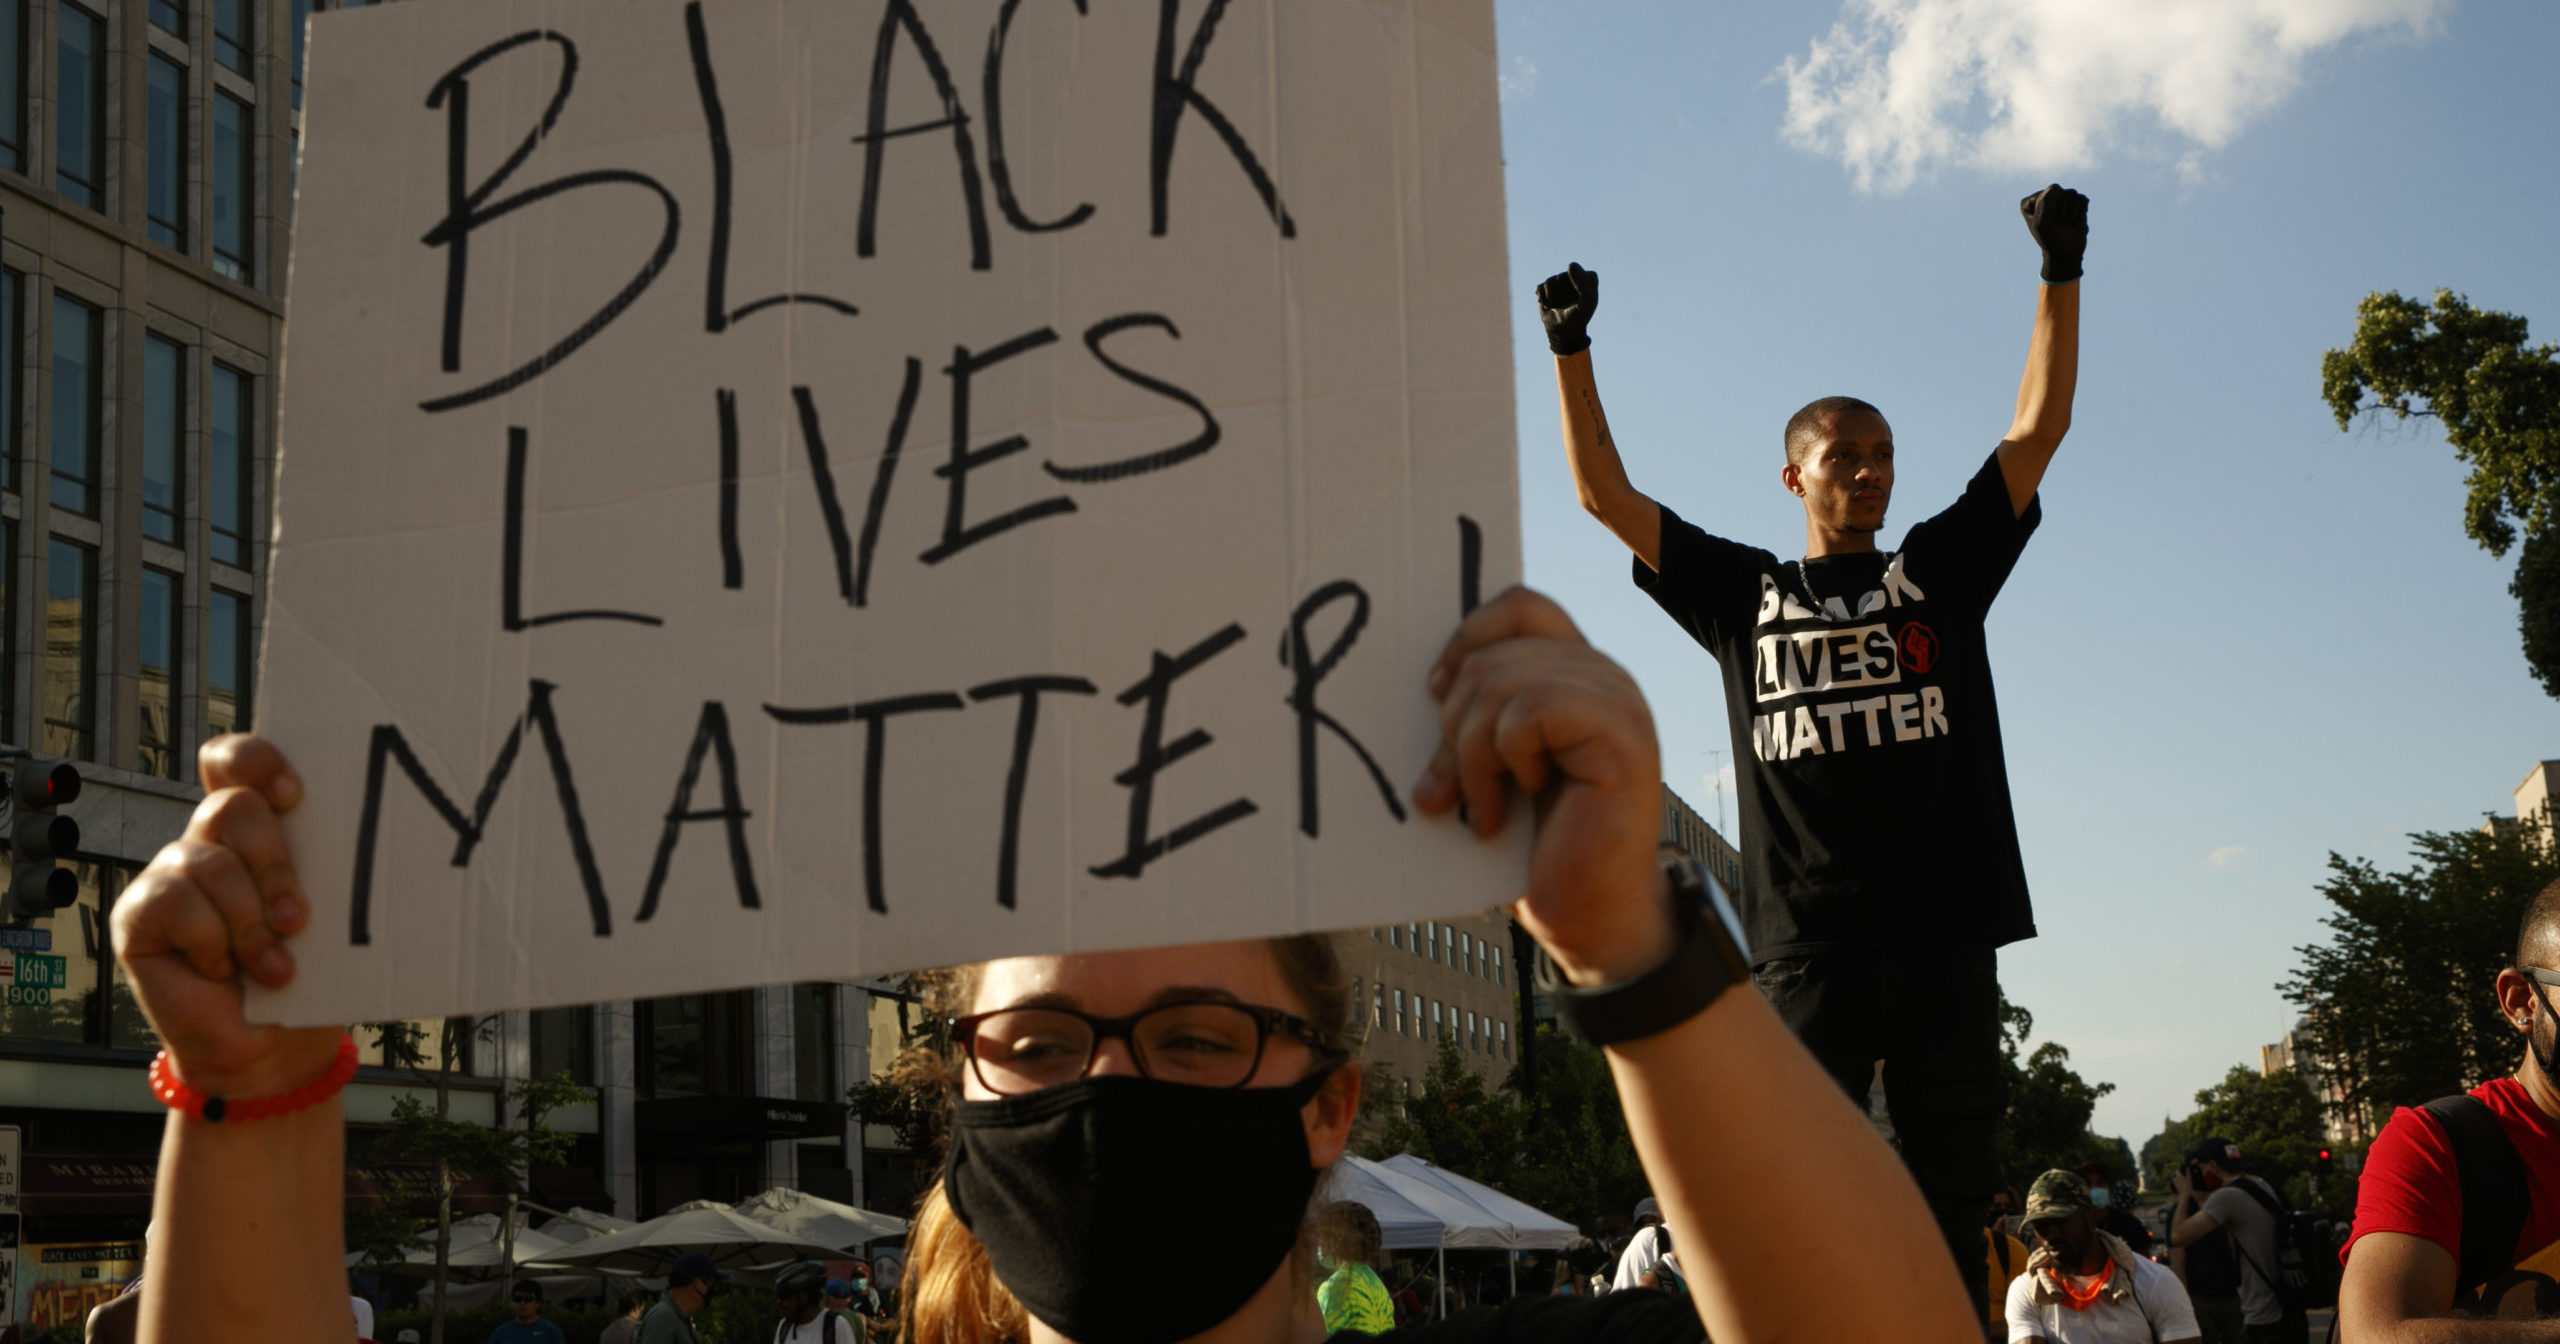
(177, 1096)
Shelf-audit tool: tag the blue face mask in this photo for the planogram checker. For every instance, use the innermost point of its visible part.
(2098, 1197)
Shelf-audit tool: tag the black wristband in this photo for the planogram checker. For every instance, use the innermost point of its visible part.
(1710, 960)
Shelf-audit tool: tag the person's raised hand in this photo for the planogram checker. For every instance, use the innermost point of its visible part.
(1566, 301)
(214, 905)
(1525, 700)
(2058, 219)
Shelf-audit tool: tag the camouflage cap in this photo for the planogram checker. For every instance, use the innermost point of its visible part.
(2056, 1194)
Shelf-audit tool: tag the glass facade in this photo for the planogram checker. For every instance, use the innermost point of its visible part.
(13, 289)
(813, 1043)
(77, 388)
(70, 650)
(80, 109)
(169, 16)
(232, 187)
(164, 389)
(157, 730)
(165, 119)
(228, 648)
(231, 34)
(13, 89)
(564, 1041)
(227, 440)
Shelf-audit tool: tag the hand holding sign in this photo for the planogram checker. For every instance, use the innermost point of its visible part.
(763, 504)
(1524, 700)
(216, 903)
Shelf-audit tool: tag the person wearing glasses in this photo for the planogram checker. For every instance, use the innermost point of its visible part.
(2457, 1230)
(1110, 1106)
(528, 1327)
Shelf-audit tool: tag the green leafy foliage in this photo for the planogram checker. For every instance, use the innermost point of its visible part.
(2399, 1004)
(1565, 1151)
(2046, 1125)
(2277, 1122)
(2498, 400)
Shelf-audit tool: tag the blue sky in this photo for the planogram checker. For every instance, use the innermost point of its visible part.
(2242, 639)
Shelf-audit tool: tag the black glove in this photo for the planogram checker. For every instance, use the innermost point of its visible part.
(2058, 218)
(1566, 301)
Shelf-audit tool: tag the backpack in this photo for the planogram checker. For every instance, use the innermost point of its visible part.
(827, 1332)
(2305, 1275)
(2494, 1195)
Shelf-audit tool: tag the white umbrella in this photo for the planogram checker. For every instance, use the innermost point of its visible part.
(584, 1225)
(474, 1251)
(733, 1242)
(821, 1220)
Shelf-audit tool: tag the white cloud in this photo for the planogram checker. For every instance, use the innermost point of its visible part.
(1520, 80)
(2228, 856)
(1899, 88)
(1720, 778)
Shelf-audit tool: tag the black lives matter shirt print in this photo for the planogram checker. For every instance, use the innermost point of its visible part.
(1874, 798)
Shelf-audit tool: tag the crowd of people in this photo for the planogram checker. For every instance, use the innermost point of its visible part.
(1101, 1102)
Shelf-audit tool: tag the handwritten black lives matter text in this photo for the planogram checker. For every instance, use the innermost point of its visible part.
(1316, 638)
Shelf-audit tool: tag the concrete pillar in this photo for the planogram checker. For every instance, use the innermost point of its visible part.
(617, 1078)
(853, 1069)
(776, 1076)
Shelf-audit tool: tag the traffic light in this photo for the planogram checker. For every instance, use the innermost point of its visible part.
(2324, 1161)
(38, 836)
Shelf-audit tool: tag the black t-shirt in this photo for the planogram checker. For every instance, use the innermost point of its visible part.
(1875, 802)
(1635, 1316)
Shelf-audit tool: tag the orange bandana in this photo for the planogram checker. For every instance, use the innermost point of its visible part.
(2081, 1299)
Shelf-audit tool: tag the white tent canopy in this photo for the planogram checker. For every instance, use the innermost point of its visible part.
(1531, 1229)
(823, 1221)
(732, 1241)
(1463, 1225)
(1403, 1225)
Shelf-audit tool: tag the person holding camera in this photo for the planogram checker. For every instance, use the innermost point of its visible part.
(2226, 1214)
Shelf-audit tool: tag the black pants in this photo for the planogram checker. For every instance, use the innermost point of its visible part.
(1931, 1013)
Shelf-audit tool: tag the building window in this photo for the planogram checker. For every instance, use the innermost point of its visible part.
(227, 455)
(564, 1041)
(8, 631)
(1435, 1019)
(1497, 963)
(13, 287)
(231, 187)
(1399, 998)
(77, 389)
(696, 1044)
(166, 116)
(1431, 940)
(1471, 1031)
(70, 649)
(163, 437)
(169, 16)
(13, 93)
(301, 19)
(1413, 939)
(226, 677)
(157, 731)
(231, 34)
(80, 115)
(420, 1044)
(813, 1042)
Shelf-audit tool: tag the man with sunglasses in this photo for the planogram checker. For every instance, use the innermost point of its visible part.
(528, 1327)
(2457, 1231)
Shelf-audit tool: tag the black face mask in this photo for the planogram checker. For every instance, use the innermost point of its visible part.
(1059, 1184)
(2549, 1058)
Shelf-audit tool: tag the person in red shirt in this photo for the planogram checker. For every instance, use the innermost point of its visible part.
(2409, 1277)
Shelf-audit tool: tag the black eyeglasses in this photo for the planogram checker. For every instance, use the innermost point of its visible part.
(1018, 1050)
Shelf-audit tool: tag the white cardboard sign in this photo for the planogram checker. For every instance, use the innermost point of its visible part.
(798, 490)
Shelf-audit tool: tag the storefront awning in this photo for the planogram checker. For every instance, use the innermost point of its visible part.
(735, 1118)
(73, 1183)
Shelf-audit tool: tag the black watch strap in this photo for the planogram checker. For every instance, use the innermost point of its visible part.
(1711, 959)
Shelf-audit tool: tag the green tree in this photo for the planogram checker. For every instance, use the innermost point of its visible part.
(1565, 1151)
(2047, 1122)
(2398, 1005)
(2498, 400)
(2277, 1122)
(459, 1150)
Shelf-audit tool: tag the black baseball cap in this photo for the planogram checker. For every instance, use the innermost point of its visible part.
(2221, 1152)
(694, 1265)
